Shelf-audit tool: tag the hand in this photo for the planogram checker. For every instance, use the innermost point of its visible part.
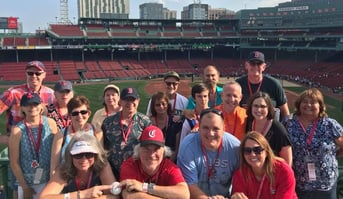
(239, 195)
(132, 185)
(189, 114)
(95, 192)
(28, 192)
(217, 197)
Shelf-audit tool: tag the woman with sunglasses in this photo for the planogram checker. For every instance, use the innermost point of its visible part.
(261, 175)
(30, 147)
(85, 173)
(79, 112)
(260, 113)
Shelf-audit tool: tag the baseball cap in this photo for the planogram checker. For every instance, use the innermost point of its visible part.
(256, 56)
(112, 86)
(129, 92)
(172, 74)
(37, 64)
(63, 85)
(152, 135)
(82, 147)
(30, 98)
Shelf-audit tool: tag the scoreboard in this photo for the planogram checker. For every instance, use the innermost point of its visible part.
(8, 22)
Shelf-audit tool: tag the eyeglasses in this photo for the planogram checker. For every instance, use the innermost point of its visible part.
(34, 73)
(257, 150)
(172, 83)
(211, 110)
(76, 113)
(81, 155)
(259, 106)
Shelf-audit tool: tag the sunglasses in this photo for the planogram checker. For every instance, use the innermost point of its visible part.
(257, 150)
(259, 106)
(76, 113)
(172, 83)
(211, 110)
(81, 155)
(34, 73)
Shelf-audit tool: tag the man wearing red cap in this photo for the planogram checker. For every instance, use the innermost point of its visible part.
(10, 99)
(150, 172)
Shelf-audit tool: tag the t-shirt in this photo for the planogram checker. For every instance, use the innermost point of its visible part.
(168, 174)
(195, 169)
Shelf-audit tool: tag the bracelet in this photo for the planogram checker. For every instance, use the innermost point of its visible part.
(151, 188)
(78, 194)
(145, 187)
(66, 196)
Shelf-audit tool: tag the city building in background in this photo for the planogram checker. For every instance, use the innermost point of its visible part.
(110, 9)
(220, 13)
(195, 11)
(169, 14)
(151, 11)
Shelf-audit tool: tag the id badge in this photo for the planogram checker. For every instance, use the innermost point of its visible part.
(311, 169)
(38, 176)
(122, 145)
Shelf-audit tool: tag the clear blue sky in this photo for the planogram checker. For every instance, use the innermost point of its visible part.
(37, 14)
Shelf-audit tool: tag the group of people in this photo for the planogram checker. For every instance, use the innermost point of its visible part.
(237, 141)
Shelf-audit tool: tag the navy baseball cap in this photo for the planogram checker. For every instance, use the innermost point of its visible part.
(256, 56)
(30, 98)
(63, 85)
(129, 92)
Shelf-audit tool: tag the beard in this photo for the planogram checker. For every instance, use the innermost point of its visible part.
(210, 83)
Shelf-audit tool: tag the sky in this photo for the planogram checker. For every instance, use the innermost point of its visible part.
(38, 14)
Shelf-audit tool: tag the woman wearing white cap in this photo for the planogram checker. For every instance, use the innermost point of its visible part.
(84, 174)
(30, 147)
(111, 98)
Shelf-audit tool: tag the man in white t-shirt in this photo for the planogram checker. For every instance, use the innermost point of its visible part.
(177, 101)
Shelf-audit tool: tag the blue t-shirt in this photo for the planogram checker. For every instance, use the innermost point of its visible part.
(192, 163)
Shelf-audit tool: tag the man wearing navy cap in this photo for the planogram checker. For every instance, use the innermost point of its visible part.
(122, 130)
(255, 81)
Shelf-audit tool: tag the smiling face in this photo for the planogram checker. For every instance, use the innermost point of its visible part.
(34, 77)
(80, 118)
(111, 97)
(211, 76)
(172, 84)
(231, 96)
(129, 105)
(151, 157)
(309, 107)
(62, 98)
(84, 163)
(211, 130)
(259, 109)
(32, 110)
(161, 106)
(253, 158)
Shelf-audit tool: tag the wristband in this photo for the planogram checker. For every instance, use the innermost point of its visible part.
(145, 187)
(151, 188)
(66, 196)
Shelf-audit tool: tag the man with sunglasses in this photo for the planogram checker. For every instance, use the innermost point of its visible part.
(177, 101)
(10, 99)
(256, 81)
(207, 159)
(122, 130)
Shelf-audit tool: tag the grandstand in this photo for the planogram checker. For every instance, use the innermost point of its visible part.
(302, 40)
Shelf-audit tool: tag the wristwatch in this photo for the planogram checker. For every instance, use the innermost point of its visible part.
(151, 188)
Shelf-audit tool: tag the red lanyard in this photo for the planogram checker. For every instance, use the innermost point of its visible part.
(313, 129)
(213, 102)
(128, 130)
(261, 186)
(264, 127)
(258, 88)
(78, 182)
(166, 123)
(210, 169)
(65, 121)
(33, 142)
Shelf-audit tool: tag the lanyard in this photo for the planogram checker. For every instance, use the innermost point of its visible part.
(35, 144)
(65, 120)
(213, 102)
(129, 126)
(166, 123)
(313, 129)
(261, 186)
(174, 104)
(264, 127)
(78, 181)
(210, 169)
(258, 88)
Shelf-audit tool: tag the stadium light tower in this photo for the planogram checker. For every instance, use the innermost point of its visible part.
(64, 18)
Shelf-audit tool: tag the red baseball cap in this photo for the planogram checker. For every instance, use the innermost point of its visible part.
(152, 135)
